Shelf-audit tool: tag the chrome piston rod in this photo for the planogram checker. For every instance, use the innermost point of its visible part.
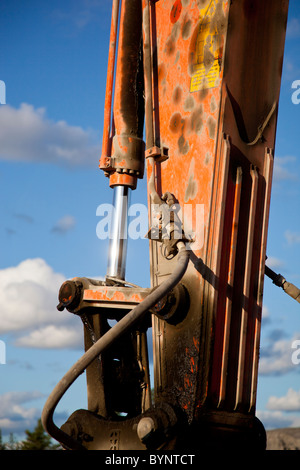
(118, 234)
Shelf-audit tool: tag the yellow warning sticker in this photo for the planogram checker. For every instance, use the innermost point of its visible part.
(207, 56)
(202, 80)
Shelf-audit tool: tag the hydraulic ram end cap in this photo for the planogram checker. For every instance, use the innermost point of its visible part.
(292, 291)
(69, 295)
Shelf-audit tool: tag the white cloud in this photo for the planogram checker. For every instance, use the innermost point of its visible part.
(282, 170)
(266, 317)
(276, 357)
(292, 237)
(63, 225)
(289, 402)
(265, 312)
(277, 419)
(14, 417)
(28, 299)
(274, 263)
(51, 337)
(26, 134)
(28, 295)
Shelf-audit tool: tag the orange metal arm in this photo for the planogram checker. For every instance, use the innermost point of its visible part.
(106, 141)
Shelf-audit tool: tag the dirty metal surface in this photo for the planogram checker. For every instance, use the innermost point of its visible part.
(187, 93)
(216, 80)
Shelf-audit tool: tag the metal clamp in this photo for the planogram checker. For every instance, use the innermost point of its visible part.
(159, 154)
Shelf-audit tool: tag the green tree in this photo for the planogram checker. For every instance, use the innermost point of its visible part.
(2, 445)
(12, 444)
(38, 439)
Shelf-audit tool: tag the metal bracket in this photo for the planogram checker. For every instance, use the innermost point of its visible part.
(159, 154)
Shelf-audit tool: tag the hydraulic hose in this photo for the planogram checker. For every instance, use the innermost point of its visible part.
(102, 344)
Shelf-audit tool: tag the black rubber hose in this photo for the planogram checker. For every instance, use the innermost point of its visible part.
(102, 344)
(280, 281)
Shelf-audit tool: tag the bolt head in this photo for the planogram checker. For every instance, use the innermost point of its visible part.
(145, 427)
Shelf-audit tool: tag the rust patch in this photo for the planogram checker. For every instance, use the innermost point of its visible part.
(192, 50)
(171, 40)
(177, 57)
(202, 94)
(197, 120)
(176, 123)
(189, 103)
(175, 31)
(207, 158)
(186, 29)
(170, 47)
(192, 186)
(211, 124)
(213, 104)
(183, 145)
(177, 95)
(161, 72)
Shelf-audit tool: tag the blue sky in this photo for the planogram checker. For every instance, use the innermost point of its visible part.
(53, 58)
